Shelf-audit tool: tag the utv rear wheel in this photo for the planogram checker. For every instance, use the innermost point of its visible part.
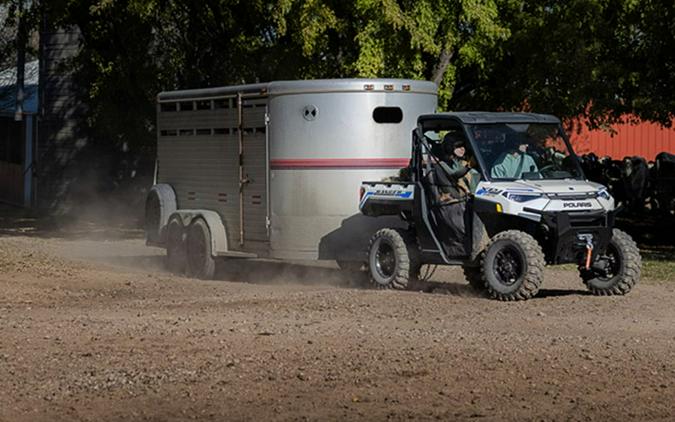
(200, 262)
(622, 271)
(176, 254)
(392, 259)
(513, 266)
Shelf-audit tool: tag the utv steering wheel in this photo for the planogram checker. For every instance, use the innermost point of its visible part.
(547, 168)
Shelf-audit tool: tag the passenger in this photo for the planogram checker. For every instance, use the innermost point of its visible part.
(514, 162)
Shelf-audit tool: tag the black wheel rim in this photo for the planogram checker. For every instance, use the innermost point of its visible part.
(385, 260)
(508, 265)
(613, 263)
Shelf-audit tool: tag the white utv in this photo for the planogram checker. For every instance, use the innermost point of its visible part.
(531, 206)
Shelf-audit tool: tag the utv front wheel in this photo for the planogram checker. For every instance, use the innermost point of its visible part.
(622, 267)
(513, 266)
(392, 259)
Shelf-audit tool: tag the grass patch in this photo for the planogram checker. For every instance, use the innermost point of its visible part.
(658, 263)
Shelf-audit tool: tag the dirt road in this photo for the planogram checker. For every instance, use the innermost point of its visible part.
(97, 331)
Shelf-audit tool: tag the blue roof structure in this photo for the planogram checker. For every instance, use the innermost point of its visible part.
(8, 88)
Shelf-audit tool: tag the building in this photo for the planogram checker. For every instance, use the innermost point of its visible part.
(18, 138)
(644, 139)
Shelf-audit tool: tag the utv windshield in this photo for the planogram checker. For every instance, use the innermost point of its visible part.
(513, 151)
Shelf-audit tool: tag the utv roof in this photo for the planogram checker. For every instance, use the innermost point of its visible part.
(485, 117)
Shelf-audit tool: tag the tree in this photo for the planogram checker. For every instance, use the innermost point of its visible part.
(597, 59)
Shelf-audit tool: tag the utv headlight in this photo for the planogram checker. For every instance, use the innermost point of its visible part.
(522, 197)
(604, 194)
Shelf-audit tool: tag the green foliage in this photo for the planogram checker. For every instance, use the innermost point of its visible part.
(600, 58)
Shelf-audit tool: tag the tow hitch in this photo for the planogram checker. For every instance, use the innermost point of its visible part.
(587, 239)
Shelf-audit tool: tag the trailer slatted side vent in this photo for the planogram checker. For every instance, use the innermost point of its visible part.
(203, 131)
(168, 133)
(256, 199)
(222, 197)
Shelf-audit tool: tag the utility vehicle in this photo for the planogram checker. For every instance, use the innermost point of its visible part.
(532, 206)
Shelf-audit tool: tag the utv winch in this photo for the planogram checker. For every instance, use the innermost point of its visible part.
(531, 206)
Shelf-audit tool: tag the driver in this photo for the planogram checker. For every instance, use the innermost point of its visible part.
(514, 162)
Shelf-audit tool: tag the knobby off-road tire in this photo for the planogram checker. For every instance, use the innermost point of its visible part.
(393, 259)
(200, 261)
(474, 276)
(512, 266)
(176, 252)
(626, 268)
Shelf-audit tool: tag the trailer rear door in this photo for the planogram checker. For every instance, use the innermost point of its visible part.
(254, 162)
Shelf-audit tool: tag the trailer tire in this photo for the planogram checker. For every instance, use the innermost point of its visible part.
(200, 261)
(512, 266)
(627, 262)
(160, 203)
(176, 253)
(474, 275)
(393, 259)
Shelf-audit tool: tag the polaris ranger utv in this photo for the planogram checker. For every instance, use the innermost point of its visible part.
(531, 206)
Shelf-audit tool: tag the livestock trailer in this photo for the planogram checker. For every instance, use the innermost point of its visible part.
(273, 170)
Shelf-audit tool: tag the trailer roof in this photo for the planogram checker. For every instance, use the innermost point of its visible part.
(486, 117)
(305, 86)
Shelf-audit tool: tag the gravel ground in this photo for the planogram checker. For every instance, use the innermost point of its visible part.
(96, 330)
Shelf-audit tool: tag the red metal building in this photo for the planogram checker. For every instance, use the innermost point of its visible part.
(643, 139)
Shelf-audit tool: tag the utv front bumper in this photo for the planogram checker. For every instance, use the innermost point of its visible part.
(565, 235)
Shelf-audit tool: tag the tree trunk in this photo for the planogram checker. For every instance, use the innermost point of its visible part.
(442, 66)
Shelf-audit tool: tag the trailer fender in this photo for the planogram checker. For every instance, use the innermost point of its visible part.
(214, 223)
(160, 204)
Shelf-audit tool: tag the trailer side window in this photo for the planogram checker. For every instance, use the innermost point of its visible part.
(165, 107)
(223, 103)
(388, 114)
(186, 106)
(203, 105)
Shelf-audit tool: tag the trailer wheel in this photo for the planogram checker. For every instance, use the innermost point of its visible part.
(623, 268)
(200, 262)
(512, 266)
(159, 205)
(474, 275)
(392, 259)
(176, 254)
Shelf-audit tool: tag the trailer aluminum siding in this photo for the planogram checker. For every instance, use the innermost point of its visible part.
(306, 147)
